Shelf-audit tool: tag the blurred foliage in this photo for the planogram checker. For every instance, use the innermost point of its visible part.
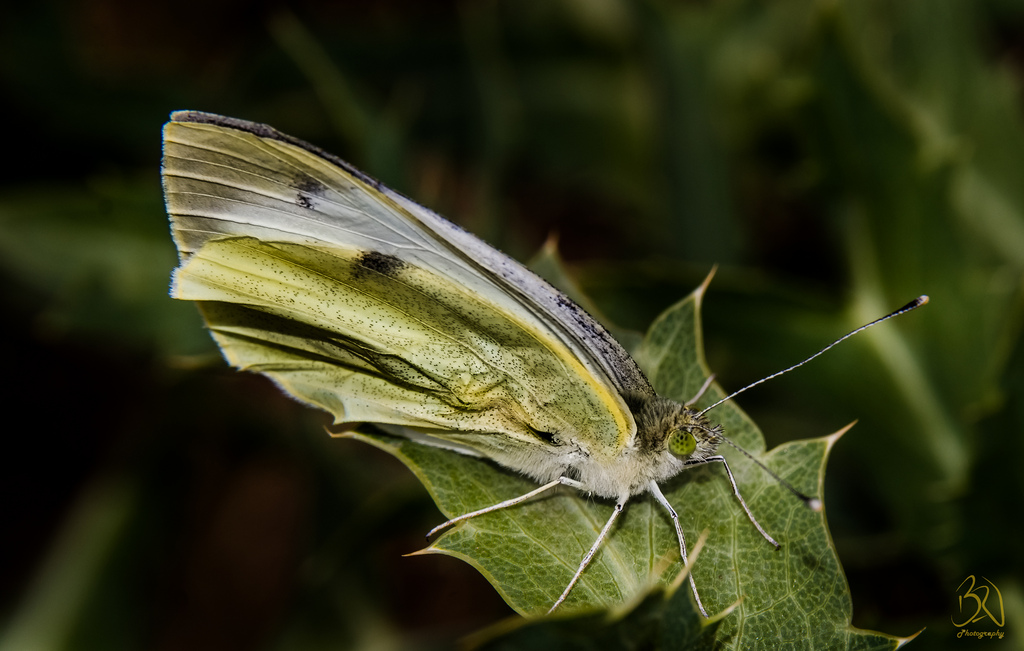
(836, 158)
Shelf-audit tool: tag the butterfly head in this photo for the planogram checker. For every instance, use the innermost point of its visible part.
(667, 427)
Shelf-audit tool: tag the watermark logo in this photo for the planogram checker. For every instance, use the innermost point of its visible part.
(978, 602)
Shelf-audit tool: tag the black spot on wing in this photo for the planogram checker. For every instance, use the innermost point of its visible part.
(306, 189)
(382, 263)
(306, 184)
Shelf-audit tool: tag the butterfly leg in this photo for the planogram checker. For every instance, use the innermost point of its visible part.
(656, 491)
(658, 495)
(507, 503)
(736, 492)
(590, 554)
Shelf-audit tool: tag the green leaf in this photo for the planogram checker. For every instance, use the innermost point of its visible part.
(663, 618)
(529, 552)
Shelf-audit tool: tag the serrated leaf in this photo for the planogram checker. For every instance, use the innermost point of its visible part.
(797, 594)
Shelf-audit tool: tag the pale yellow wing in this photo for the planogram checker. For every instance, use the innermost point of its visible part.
(361, 302)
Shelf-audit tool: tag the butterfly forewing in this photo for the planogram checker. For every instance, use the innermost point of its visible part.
(269, 181)
(323, 280)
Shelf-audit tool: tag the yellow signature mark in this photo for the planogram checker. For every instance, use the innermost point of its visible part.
(980, 594)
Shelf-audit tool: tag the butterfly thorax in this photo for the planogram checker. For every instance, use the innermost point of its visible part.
(669, 437)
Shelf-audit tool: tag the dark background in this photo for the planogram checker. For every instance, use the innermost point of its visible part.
(835, 159)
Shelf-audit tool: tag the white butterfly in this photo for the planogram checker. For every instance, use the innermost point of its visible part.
(361, 302)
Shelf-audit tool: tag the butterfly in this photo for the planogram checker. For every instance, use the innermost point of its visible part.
(357, 300)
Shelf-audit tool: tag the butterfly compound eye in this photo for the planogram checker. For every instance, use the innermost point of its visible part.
(681, 443)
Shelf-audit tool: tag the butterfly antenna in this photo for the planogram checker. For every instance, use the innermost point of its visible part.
(916, 303)
(812, 503)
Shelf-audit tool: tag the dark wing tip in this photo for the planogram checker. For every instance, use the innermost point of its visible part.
(255, 128)
(266, 131)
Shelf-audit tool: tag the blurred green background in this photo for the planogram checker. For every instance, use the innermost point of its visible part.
(836, 159)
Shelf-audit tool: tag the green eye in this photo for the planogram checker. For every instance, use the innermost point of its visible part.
(681, 443)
